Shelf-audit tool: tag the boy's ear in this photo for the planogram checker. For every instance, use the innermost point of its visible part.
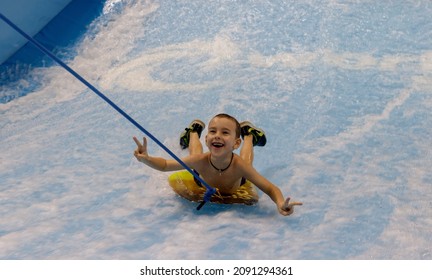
(237, 143)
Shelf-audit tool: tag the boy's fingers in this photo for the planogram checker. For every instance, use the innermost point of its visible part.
(295, 203)
(137, 142)
(288, 204)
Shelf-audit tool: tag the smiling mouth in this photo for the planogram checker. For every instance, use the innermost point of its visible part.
(217, 145)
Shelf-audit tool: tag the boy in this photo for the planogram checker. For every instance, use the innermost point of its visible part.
(222, 139)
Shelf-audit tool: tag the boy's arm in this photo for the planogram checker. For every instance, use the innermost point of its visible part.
(157, 163)
(285, 207)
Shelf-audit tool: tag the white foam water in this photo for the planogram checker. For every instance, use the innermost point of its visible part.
(343, 91)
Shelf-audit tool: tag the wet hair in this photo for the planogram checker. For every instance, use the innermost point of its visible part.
(237, 124)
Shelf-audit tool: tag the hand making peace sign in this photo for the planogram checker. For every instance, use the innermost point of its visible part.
(141, 152)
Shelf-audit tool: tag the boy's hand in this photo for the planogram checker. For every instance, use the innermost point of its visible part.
(288, 207)
(141, 152)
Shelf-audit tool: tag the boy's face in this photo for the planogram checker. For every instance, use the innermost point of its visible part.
(221, 137)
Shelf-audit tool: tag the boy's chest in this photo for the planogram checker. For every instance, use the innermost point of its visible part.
(227, 181)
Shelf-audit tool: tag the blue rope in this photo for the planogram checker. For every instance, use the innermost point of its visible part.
(210, 191)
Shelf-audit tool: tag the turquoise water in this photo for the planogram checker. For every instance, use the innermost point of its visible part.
(343, 90)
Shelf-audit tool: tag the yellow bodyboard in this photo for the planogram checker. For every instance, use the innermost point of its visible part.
(183, 183)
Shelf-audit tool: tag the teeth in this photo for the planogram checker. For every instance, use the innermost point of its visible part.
(217, 144)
